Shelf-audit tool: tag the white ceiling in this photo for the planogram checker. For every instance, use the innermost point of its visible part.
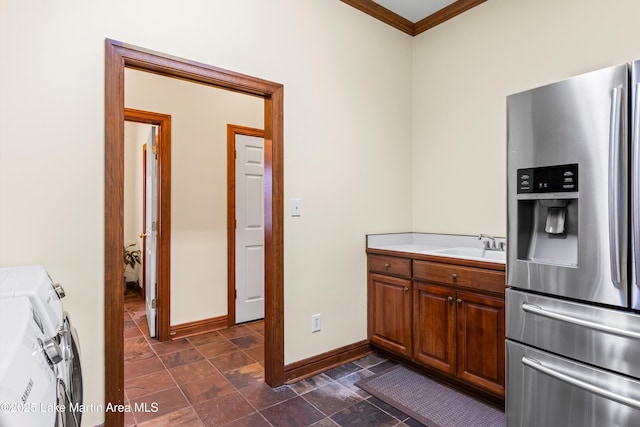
(414, 10)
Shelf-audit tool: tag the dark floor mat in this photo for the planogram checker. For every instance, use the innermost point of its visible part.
(430, 402)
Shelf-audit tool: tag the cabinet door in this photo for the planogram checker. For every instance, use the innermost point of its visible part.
(390, 313)
(434, 331)
(481, 344)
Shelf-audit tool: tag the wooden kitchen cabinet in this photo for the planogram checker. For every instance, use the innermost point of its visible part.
(481, 340)
(460, 333)
(390, 323)
(445, 316)
(470, 315)
(434, 312)
(389, 302)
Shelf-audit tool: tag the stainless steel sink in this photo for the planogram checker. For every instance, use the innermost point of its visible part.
(470, 253)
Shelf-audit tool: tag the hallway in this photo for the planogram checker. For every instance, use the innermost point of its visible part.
(217, 379)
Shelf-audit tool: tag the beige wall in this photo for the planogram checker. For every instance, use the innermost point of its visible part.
(347, 134)
(462, 72)
(375, 125)
(199, 118)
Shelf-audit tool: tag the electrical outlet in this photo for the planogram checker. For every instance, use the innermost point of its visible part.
(315, 323)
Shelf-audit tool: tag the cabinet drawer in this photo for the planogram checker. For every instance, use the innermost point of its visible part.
(468, 277)
(390, 265)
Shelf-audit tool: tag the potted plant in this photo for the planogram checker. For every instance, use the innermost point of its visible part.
(131, 259)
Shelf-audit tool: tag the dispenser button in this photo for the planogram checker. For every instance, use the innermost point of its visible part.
(568, 180)
(568, 186)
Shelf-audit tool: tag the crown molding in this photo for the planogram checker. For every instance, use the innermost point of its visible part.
(383, 14)
(444, 14)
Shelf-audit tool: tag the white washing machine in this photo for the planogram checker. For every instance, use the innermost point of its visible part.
(30, 391)
(34, 284)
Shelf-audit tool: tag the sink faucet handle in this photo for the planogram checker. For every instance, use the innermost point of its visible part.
(490, 243)
(486, 236)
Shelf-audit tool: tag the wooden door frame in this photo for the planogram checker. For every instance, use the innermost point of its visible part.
(119, 56)
(163, 252)
(232, 131)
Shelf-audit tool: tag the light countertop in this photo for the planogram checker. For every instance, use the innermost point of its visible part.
(425, 243)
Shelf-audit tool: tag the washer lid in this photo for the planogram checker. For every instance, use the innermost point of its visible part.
(33, 282)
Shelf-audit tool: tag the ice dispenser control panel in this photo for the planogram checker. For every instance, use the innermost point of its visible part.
(549, 179)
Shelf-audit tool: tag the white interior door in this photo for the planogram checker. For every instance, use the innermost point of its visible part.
(249, 228)
(151, 232)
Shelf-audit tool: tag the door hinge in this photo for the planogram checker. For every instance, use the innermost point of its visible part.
(235, 223)
(154, 149)
(235, 292)
(235, 154)
(153, 303)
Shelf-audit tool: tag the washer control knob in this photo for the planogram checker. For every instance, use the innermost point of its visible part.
(58, 288)
(52, 350)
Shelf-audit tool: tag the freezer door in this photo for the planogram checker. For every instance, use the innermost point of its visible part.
(546, 390)
(635, 184)
(594, 335)
(580, 121)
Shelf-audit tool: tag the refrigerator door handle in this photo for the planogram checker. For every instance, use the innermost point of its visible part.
(539, 366)
(540, 311)
(615, 178)
(635, 183)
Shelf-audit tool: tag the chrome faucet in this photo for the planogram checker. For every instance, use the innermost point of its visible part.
(490, 244)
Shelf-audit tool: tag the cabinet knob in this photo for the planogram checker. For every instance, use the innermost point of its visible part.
(449, 299)
(387, 265)
(454, 277)
(459, 301)
(406, 289)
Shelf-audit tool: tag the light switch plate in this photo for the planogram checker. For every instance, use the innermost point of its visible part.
(296, 209)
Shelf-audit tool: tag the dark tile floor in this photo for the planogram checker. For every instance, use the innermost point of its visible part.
(217, 379)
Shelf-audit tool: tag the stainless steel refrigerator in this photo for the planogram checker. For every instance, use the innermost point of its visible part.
(573, 252)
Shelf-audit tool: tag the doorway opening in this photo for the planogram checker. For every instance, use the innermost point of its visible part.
(244, 254)
(118, 57)
(163, 203)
